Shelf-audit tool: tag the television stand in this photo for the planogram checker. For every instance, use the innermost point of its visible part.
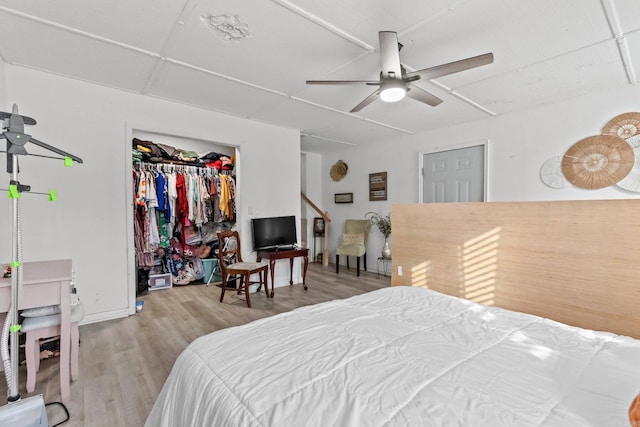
(275, 254)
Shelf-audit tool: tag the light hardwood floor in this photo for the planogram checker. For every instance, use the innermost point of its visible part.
(124, 362)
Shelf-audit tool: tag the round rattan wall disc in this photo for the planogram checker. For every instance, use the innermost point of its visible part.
(338, 170)
(597, 161)
(623, 126)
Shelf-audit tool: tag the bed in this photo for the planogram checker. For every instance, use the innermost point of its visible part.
(402, 356)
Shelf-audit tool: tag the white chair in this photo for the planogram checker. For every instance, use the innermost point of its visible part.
(46, 326)
(46, 284)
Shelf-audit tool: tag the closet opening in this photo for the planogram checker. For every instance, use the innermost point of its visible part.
(183, 191)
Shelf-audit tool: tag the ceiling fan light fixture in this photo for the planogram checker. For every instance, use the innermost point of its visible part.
(393, 91)
(395, 83)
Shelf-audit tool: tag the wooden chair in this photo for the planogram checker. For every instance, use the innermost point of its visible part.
(354, 242)
(235, 270)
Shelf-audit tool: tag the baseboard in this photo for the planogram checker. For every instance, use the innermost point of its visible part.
(107, 315)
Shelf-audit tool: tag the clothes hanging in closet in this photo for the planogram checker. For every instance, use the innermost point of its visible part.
(182, 203)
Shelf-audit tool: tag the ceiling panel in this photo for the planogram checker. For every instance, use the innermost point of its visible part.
(360, 133)
(519, 33)
(364, 18)
(633, 41)
(316, 145)
(282, 49)
(563, 77)
(61, 52)
(145, 24)
(301, 115)
(208, 91)
(628, 13)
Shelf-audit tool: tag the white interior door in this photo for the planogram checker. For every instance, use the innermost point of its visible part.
(454, 175)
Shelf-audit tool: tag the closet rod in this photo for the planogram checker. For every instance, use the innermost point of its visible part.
(180, 167)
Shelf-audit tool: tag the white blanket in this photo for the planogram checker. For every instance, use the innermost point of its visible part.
(402, 356)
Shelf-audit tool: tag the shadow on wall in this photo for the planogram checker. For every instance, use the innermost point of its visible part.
(477, 268)
(477, 261)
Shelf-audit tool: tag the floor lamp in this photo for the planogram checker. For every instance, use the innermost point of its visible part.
(19, 411)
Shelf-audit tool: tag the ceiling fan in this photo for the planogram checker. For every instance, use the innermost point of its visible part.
(395, 82)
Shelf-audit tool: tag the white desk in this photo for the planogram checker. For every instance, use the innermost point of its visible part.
(46, 283)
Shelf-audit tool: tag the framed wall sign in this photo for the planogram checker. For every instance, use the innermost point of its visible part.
(343, 198)
(377, 186)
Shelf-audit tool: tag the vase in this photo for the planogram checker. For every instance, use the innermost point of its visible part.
(386, 250)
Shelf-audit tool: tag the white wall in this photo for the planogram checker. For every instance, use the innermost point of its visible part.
(90, 221)
(518, 145)
(3, 90)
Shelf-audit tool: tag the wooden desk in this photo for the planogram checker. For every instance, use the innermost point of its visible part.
(46, 283)
(274, 255)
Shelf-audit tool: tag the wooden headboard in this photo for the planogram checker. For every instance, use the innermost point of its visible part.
(577, 262)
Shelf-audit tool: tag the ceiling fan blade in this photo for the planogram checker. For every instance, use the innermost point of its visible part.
(368, 100)
(342, 82)
(389, 54)
(422, 95)
(450, 68)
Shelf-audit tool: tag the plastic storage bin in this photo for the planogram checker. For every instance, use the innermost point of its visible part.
(210, 265)
(159, 281)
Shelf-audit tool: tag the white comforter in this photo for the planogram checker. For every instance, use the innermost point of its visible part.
(402, 356)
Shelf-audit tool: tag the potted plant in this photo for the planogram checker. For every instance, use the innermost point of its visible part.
(384, 226)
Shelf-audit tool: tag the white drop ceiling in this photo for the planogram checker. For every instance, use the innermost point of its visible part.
(545, 51)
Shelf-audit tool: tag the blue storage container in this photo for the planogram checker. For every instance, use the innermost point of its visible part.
(210, 266)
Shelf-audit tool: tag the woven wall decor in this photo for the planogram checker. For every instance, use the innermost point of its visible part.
(551, 174)
(597, 161)
(338, 170)
(623, 126)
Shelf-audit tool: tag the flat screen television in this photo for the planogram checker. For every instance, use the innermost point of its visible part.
(274, 232)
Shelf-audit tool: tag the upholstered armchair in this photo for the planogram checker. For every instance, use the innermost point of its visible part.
(354, 242)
